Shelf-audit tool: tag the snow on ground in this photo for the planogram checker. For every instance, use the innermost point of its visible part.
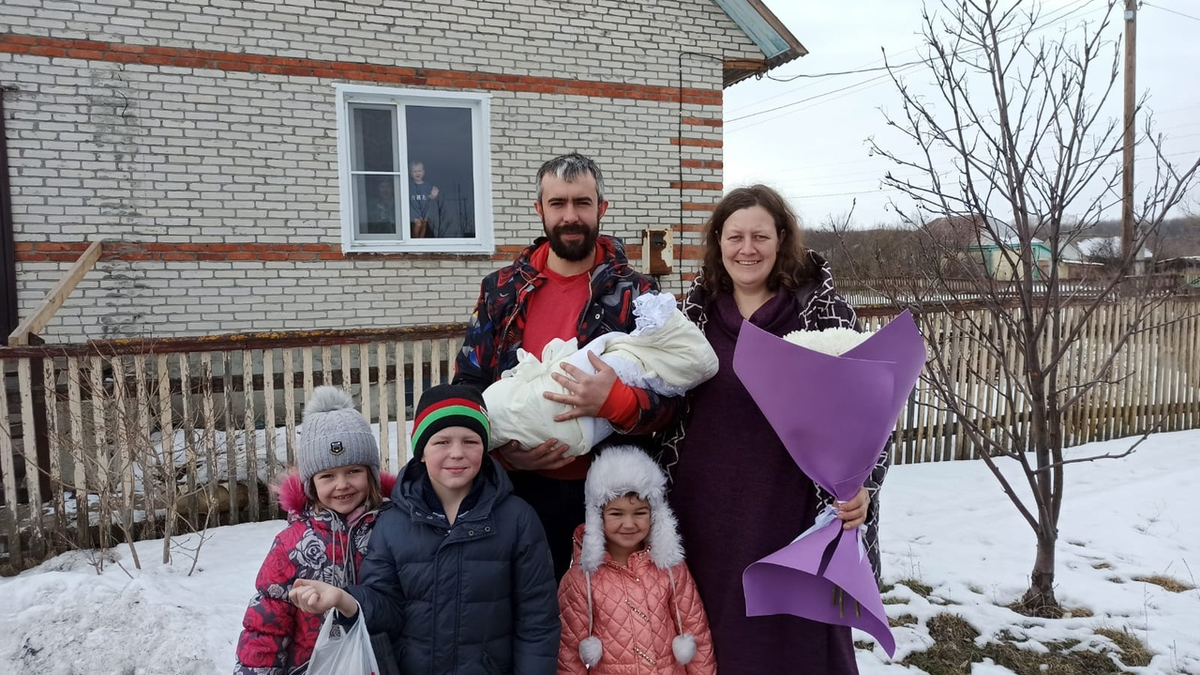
(947, 525)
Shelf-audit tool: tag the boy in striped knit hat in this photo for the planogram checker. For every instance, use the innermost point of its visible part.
(458, 571)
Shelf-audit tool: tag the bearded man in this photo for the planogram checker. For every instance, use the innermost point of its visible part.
(572, 284)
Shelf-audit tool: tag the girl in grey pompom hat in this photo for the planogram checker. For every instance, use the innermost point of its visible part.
(332, 502)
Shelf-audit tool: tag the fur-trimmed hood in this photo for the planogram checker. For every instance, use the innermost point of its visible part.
(618, 471)
(294, 501)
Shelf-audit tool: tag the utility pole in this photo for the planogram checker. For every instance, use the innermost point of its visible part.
(1127, 225)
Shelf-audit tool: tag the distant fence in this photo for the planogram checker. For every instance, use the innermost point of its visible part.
(886, 291)
(150, 437)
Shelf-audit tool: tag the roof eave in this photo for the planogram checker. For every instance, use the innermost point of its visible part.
(776, 42)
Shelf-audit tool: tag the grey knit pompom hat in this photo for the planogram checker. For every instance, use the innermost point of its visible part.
(334, 434)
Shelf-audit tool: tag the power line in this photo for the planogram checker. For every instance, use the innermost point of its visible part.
(841, 72)
(806, 100)
(1065, 13)
(1186, 16)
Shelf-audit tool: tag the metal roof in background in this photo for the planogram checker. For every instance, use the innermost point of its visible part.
(776, 42)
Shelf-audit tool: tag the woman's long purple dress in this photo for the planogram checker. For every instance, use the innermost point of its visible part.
(739, 496)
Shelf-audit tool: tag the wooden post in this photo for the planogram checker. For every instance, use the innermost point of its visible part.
(1127, 225)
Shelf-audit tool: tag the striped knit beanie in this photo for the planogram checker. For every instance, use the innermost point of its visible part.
(448, 405)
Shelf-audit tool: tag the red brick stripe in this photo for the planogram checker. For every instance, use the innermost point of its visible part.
(92, 50)
(701, 164)
(701, 122)
(29, 252)
(696, 142)
(696, 185)
(68, 252)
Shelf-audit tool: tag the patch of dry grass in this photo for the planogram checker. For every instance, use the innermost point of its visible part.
(1170, 583)
(1134, 652)
(954, 652)
(1041, 611)
(916, 587)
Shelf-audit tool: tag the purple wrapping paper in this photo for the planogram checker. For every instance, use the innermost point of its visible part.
(834, 415)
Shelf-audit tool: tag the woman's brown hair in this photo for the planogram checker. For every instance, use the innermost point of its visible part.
(792, 264)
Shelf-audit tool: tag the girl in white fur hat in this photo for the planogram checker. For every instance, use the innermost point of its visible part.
(628, 603)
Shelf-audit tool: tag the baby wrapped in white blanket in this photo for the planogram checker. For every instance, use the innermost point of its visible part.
(665, 353)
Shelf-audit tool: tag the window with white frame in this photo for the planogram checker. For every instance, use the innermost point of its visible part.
(414, 169)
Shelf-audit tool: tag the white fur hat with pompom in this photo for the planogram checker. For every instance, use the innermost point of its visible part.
(616, 472)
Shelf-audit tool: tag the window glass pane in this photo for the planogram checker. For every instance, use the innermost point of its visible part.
(374, 146)
(375, 200)
(441, 177)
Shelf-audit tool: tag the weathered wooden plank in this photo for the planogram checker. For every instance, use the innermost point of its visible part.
(237, 341)
(100, 427)
(364, 379)
(166, 426)
(273, 478)
(230, 436)
(189, 426)
(10, 523)
(250, 436)
(289, 405)
(29, 451)
(208, 407)
(401, 408)
(79, 454)
(35, 322)
(54, 444)
(381, 362)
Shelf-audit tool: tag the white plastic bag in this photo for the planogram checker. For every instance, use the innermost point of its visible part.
(343, 651)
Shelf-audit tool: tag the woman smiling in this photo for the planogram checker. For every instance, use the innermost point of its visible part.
(738, 494)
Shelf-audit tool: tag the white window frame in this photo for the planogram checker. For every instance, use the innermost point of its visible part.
(481, 150)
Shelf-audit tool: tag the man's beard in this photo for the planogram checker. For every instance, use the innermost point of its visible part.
(573, 252)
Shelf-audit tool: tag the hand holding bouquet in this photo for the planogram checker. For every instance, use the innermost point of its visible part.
(833, 409)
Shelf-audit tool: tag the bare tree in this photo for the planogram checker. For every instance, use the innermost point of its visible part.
(125, 479)
(1018, 118)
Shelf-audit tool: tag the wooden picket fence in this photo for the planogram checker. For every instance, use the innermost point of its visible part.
(190, 430)
(1153, 385)
(146, 438)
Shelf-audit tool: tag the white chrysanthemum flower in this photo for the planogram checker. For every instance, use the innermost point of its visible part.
(833, 341)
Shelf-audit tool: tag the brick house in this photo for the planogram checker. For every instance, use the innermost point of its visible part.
(255, 165)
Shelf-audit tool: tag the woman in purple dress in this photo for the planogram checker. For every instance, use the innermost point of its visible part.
(737, 492)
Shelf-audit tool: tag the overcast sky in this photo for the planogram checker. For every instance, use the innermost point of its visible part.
(813, 146)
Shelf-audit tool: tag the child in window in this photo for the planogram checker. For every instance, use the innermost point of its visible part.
(459, 571)
(332, 501)
(628, 603)
(422, 202)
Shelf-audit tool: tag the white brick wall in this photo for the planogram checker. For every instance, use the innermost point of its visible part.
(146, 153)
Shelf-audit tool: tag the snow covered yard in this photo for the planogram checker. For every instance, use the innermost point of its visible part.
(953, 545)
